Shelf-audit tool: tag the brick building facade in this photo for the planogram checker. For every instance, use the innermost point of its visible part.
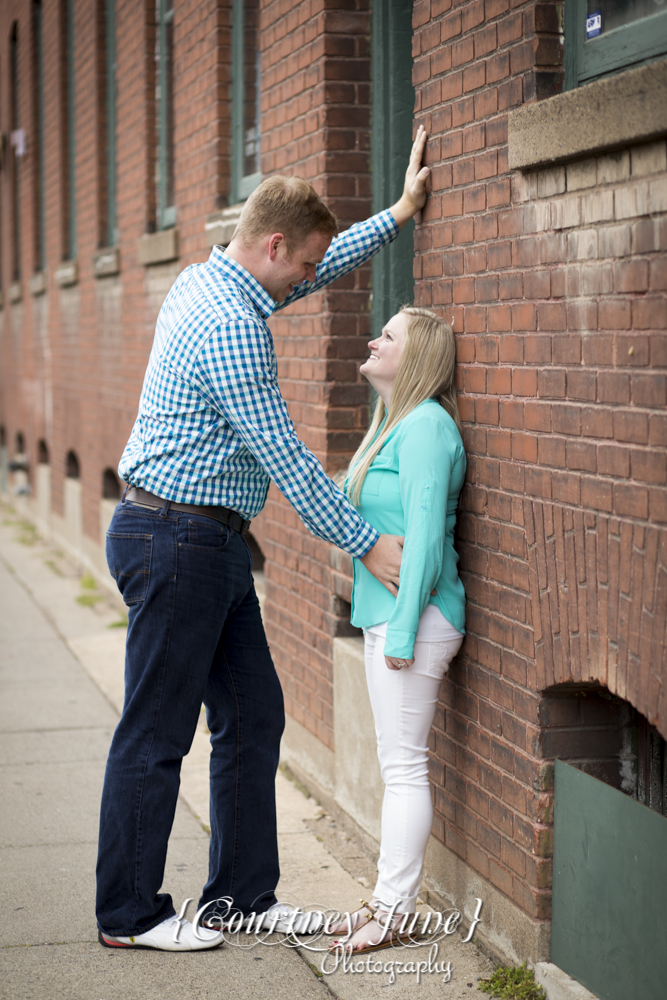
(544, 237)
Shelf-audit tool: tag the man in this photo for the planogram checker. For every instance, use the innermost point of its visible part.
(212, 430)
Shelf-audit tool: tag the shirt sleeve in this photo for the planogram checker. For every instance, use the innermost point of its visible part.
(424, 473)
(353, 247)
(236, 374)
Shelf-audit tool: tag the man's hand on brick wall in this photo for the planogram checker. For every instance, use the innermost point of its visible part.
(413, 198)
(384, 561)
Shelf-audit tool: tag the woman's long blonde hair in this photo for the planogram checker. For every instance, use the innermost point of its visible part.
(427, 371)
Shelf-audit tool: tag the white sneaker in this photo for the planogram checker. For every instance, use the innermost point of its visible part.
(173, 934)
(283, 918)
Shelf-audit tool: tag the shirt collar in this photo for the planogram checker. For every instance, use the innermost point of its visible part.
(257, 293)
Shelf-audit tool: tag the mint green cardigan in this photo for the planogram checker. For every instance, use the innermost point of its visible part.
(412, 489)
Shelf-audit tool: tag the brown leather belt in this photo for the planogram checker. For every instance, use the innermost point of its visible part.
(223, 514)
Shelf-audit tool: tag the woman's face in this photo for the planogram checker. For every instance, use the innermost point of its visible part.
(386, 353)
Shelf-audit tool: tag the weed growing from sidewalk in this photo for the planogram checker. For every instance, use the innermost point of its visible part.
(513, 984)
(28, 533)
(53, 566)
(121, 623)
(89, 600)
(295, 781)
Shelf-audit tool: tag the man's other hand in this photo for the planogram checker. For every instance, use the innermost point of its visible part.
(384, 561)
(413, 198)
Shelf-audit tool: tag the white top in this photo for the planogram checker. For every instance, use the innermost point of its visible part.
(433, 627)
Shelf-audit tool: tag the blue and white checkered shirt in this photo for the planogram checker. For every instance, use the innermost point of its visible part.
(212, 427)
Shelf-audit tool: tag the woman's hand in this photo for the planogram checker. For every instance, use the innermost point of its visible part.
(398, 662)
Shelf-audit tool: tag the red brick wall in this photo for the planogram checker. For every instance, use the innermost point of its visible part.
(74, 363)
(202, 89)
(21, 353)
(315, 122)
(556, 282)
(76, 376)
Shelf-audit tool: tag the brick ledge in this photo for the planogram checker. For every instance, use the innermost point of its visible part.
(506, 931)
(605, 114)
(158, 248)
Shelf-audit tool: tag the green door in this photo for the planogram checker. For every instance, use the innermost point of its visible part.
(609, 919)
(393, 100)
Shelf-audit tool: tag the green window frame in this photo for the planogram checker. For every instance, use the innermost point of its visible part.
(393, 100)
(242, 184)
(621, 48)
(166, 207)
(111, 234)
(70, 235)
(40, 261)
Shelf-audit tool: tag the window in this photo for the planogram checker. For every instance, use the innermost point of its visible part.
(39, 118)
(651, 787)
(3, 460)
(70, 123)
(605, 36)
(246, 137)
(72, 468)
(110, 234)
(165, 114)
(393, 100)
(110, 485)
(19, 466)
(16, 142)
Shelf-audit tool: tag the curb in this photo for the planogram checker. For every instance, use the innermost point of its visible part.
(558, 985)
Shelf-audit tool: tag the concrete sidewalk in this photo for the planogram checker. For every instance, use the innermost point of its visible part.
(61, 669)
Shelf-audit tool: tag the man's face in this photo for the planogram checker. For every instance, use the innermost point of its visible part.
(288, 270)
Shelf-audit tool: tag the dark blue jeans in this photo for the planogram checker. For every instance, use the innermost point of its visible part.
(195, 635)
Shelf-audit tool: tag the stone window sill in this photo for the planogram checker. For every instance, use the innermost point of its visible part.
(606, 114)
(37, 284)
(67, 274)
(15, 291)
(158, 248)
(220, 226)
(106, 262)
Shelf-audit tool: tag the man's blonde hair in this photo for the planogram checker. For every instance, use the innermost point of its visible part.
(427, 371)
(287, 205)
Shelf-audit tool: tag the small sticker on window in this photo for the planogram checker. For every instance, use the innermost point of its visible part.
(593, 25)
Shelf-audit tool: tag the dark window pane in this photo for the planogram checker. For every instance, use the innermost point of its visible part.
(617, 13)
(14, 170)
(111, 235)
(72, 468)
(251, 136)
(39, 103)
(165, 106)
(169, 110)
(71, 137)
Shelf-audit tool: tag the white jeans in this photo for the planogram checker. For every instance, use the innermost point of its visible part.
(404, 703)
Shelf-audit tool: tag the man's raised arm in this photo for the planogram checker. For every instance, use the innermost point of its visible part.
(363, 240)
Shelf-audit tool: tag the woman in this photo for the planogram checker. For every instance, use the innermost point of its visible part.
(406, 479)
